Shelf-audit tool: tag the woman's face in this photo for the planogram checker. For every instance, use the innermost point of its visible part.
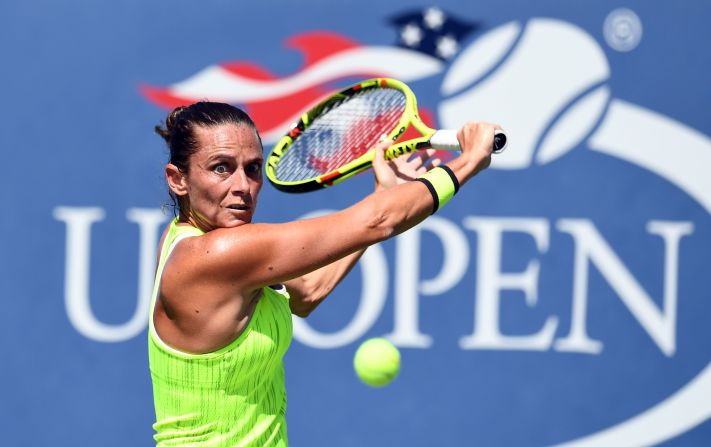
(224, 176)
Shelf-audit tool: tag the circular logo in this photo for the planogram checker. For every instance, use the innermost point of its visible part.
(622, 29)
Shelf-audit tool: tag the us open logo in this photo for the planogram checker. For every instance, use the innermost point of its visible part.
(547, 82)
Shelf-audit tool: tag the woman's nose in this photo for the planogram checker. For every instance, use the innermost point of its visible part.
(240, 181)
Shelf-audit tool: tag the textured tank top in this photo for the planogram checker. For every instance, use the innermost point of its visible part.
(231, 397)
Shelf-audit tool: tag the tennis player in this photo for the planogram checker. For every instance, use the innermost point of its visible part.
(226, 288)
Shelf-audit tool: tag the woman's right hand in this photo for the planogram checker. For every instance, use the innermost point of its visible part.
(477, 142)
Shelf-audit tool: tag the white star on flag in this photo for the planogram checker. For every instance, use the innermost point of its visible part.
(411, 35)
(447, 46)
(434, 18)
(432, 31)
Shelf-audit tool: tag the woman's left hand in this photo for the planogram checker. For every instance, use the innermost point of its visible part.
(389, 173)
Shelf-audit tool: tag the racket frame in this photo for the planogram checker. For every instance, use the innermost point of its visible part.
(410, 117)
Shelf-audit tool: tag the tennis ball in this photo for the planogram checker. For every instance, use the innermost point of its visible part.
(377, 362)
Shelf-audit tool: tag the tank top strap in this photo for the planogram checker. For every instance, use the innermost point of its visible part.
(176, 233)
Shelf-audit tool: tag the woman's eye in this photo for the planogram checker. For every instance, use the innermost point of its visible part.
(220, 169)
(253, 168)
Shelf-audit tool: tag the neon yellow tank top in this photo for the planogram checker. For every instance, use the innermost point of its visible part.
(232, 397)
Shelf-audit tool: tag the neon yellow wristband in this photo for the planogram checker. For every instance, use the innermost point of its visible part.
(442, 183)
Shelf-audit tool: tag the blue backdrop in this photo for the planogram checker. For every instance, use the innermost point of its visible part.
(562, 299)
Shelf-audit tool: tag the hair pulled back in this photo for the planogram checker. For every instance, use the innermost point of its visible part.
(180, 124)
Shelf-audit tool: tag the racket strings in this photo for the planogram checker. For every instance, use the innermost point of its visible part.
(343, 131)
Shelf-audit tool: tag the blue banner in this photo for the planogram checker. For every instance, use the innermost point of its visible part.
(562, 299)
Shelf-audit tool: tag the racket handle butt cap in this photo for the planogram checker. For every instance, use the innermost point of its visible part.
(500, 141)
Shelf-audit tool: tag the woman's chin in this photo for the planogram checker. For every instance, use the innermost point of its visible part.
(236, 218)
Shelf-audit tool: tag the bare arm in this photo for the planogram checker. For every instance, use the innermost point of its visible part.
(253, 256)
(310, 290)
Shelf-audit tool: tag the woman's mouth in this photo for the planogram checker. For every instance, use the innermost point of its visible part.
(238, 207)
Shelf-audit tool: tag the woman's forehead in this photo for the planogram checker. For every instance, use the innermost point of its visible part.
(227, 136)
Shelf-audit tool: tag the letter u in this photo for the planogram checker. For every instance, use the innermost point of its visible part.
(77, 260)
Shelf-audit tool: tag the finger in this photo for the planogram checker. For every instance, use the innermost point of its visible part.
(427, 154)
(420, 158)
(423, 157)
(381, 147)
(431, 164)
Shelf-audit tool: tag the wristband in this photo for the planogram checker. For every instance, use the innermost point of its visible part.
(442, 184)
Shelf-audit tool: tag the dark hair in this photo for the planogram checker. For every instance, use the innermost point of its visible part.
(179, 130)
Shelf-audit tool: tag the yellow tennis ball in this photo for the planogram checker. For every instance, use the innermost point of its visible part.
(377, 362)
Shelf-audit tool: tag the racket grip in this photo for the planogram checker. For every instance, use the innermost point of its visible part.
(446, 139)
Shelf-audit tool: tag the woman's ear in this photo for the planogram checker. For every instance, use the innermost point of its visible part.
(176, 180)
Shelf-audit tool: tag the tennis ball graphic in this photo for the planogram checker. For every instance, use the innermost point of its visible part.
(543, 82)
(377, 362)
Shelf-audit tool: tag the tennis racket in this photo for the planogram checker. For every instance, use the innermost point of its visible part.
(333, 141)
